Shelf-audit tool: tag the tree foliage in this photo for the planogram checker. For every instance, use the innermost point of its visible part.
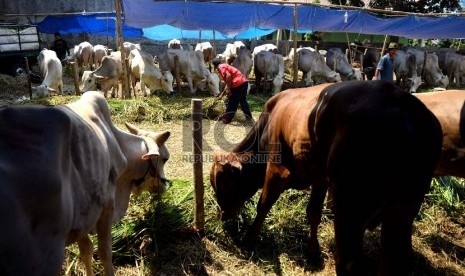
(419, 6)
(354, 3)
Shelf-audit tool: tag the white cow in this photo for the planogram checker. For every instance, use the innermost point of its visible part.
(84, 55)
(405, 69)
(192, 66)
(105, 77)
(129, 46)
(337, 61)
(243, 62)
(208, 52)
(99, 52)
(270, 66)
(231, 50)
(452, 65)
(264, 47)
(313, 66)
(66, 172)
(174, 44)
(143, 68)
(51, 71)
(430, 72)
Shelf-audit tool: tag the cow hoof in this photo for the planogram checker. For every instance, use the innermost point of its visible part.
(313, 254)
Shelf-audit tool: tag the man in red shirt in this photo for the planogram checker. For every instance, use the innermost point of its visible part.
(236, 90)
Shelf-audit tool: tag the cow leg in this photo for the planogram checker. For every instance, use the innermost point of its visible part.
(275, 183)
(258, 78)
(60, 88)
(191, 86)
(396, 231)
(104, 240)
(348, 231)
(396, 239)
(85, 252)
(142, 88)
(133, 85)
(314, 210)
(114, 89)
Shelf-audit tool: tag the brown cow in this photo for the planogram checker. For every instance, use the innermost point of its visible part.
(354, 134)
(449, 107)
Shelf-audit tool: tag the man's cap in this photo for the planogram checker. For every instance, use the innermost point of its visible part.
(392, 45)
(216, 61)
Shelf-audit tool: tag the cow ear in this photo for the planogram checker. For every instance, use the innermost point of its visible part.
(162, 137)
(152, 153)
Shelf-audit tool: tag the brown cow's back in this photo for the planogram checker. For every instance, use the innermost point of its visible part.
(448, 106)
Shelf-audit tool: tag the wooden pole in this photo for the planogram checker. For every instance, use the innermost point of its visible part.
(176, 73)
(75, 68)
(28, 72)
(278, 37)
(294, 81)
(199, 218)
(384, 45)
(200, 36)
(119, 34)
(350, 57)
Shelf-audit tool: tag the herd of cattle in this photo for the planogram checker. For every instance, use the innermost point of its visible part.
(337, 138)
(412, 67)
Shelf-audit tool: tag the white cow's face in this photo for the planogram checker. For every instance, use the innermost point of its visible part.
(415, 82)
(42, 91)
(88, 81)
(167, 82)
(153, 158)
(213, 83)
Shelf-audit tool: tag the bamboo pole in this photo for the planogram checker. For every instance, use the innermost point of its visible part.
(199, 217)
(28, 72)
(176, 74)
(295, 67)
(278, 36)
(384, 45)
(284, 2)
(119, 33)
(74, 67)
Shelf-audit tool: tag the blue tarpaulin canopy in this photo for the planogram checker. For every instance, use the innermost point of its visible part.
(232, 19)
(97, 24)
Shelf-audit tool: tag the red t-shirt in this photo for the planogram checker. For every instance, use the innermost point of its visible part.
(237, 78)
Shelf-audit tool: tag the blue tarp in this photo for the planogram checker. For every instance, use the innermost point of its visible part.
(96, 24)
(231, 19)
(167, 32)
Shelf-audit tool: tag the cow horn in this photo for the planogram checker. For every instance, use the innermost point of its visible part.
(132, 128)
(162, 137)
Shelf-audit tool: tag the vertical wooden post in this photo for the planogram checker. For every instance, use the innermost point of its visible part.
(384, 45)
(200, 36)
(199, 220)
(294, 81)
(75, 68)
(176, 74)
(119, 34)
(278, 37)
(28, 72)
